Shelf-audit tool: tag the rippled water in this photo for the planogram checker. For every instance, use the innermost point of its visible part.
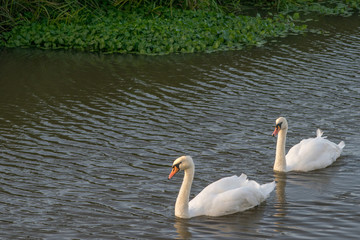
(87, 140)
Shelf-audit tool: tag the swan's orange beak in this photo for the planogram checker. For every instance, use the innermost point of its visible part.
(174, 170)
(276, 131)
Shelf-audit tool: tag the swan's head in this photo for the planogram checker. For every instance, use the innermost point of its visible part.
(181, 163)
(280, 124)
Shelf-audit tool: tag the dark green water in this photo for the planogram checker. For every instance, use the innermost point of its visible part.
(87, 141)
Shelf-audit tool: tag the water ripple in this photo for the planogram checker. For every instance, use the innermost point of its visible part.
(87, 141)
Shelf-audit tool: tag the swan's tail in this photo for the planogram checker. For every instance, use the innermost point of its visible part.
(319, 133)
(267, 188)
(341, 145)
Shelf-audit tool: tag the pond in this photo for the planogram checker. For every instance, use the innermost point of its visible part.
(88, 140)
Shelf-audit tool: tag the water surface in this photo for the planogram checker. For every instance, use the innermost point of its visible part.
(87, 140)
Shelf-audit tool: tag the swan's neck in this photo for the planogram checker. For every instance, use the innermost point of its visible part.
(280, 161)
(182, 201)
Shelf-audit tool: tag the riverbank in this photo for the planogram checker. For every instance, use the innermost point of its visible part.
(162, 30)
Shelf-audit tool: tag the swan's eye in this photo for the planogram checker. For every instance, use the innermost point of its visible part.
(177, 165)
(278, 126)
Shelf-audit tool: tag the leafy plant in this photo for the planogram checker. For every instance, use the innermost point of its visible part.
(174, 31)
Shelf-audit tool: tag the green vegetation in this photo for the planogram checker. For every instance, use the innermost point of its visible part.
(135, 32)
(157, 27)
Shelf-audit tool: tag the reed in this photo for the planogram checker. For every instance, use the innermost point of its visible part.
(14, 12)
(184, 4)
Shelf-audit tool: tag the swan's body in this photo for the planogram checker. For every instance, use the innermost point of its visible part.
(225, 196)
(308, 155)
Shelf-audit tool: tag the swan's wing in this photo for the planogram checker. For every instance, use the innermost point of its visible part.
(201, 202)
(240, 194)
(235, 200)
(241, 199)
(223, 184)
(312, 153)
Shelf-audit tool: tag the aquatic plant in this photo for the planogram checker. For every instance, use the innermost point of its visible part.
(139, 32)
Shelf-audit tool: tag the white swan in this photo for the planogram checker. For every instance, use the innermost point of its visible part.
(308, 155)
(225, 196)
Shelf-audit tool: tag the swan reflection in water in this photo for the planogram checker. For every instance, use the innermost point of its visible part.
(280, 179)
(301, 187)
(182, 228)
(244, 223)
